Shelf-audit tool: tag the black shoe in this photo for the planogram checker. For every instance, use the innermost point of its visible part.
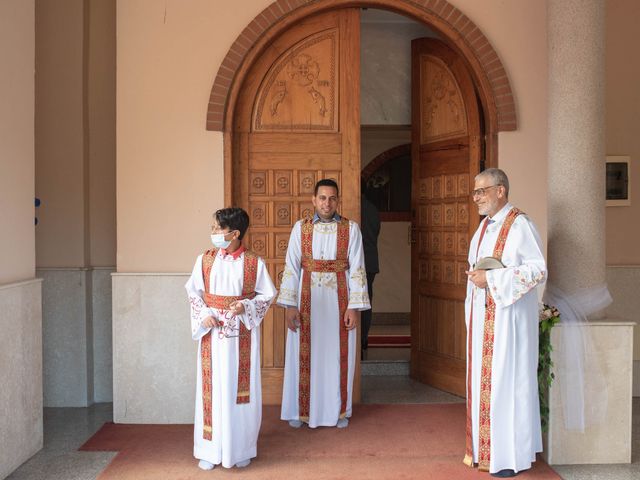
(506, 473)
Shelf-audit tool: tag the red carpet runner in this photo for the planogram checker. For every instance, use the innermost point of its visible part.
(381, 442)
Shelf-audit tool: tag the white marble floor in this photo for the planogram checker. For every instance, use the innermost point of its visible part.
(66, 429)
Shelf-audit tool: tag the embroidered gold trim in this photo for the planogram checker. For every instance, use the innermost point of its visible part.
(325, 265)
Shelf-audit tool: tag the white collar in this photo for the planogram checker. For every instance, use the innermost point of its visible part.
(502, 213)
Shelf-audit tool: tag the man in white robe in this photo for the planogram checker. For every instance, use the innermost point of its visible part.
(324, 289)
(229, 292)
(503, 413)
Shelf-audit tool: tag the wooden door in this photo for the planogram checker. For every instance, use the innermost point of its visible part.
(446, 151)
(297, 121)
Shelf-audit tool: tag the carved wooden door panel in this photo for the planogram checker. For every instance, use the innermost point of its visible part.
(446, 150)
(297, 121)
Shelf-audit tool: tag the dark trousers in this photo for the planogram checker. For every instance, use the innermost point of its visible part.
(366, 314)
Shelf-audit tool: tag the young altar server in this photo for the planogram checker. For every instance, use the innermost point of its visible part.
(229, 292)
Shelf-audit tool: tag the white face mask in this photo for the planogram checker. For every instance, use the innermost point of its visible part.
(218, 240)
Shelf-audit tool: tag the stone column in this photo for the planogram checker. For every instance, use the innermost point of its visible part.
(576, 189)
(576, 243)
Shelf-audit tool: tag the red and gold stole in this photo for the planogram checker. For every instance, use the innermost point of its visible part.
(484, 424)
(244, 361)
(339, 266)
(468, 457)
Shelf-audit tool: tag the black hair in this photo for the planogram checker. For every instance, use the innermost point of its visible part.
(326, 182)
(233, 218)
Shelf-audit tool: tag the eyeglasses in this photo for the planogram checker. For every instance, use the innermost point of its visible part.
(481, 192)
(217, 231)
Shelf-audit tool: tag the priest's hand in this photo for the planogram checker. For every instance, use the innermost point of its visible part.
(293, 318)
(237, 307)
(351, 318)
(210, 322)
(478, 278)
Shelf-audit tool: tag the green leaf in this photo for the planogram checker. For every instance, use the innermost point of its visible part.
(545, 363)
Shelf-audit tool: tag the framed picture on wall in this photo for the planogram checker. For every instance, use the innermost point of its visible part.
(618, 193)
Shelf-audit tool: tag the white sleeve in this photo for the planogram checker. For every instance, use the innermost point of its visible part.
(199, 310)
(358, 295)
(290, 283)
(525, 264)
(255, 309)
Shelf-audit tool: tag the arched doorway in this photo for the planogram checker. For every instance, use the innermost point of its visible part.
(453, 26)
(385, 179)
(272, 157)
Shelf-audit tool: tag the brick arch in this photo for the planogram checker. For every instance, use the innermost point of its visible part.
(384, 157)
(455, 27)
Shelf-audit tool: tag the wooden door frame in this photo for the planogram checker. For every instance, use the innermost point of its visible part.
(437, 365)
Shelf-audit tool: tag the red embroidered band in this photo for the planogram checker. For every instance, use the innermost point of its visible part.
(223, 301)
(325, 265)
